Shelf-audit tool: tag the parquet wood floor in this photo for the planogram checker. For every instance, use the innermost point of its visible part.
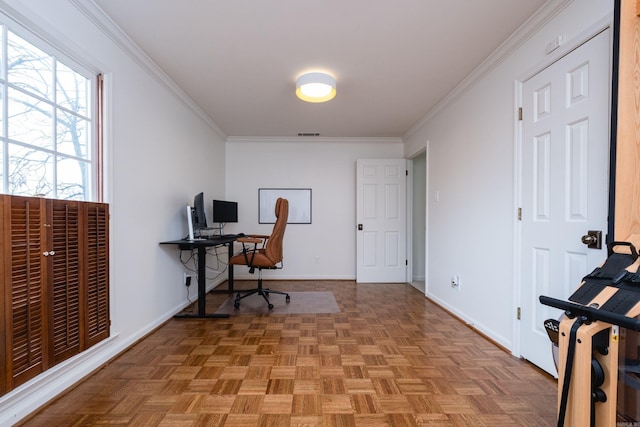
(390, 357)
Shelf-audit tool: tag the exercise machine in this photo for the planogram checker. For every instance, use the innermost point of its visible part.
(588, 337)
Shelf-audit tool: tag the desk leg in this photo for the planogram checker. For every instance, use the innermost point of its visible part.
(230, 267)
(202, 291)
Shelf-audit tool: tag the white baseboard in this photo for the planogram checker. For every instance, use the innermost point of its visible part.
(472, 323)
(27, 398)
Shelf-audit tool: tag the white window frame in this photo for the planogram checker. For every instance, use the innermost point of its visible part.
(94, 192)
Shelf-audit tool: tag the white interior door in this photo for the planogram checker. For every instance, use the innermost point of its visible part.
(381, 218)
(565, 178)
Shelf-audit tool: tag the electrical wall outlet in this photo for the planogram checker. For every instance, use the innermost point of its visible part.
(187, 280)
(455, 282)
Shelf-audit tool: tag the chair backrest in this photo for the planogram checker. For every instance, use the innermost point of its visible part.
(273, 251)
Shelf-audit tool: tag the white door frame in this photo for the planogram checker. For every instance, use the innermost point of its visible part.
(409, 239)
(410, 202)
(603, 24)
(426, 221)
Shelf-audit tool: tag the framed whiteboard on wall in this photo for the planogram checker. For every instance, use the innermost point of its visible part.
(299, 204)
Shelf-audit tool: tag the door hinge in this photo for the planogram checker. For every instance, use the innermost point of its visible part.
(519, 313)
(520, 113)
(519, 214)
(406, 172)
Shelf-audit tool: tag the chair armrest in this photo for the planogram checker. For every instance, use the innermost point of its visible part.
(259, 236)
(249, 240)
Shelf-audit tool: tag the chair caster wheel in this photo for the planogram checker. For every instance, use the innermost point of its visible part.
(270, 306)
(288, 299)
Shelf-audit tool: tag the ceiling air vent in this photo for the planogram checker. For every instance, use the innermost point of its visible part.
(308, 134)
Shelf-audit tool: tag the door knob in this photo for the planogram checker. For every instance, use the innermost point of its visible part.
(593, 239)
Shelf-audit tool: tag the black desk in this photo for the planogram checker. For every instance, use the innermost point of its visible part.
(201, 246)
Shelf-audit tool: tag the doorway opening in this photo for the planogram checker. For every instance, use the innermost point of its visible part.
(418, 211)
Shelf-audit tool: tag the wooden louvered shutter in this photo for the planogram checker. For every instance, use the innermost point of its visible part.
(65, 277)
(25, 292)
(97, 272)
(54, 294)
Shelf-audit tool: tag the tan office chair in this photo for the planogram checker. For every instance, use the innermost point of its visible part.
(263, 252)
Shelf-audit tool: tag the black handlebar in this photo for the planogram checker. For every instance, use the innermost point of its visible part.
(592, 314)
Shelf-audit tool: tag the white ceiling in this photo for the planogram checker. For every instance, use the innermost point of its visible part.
(393, 59)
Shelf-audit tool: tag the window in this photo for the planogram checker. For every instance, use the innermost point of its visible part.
(48, 127)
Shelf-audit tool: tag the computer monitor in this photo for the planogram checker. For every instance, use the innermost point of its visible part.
(224, 211)
(199, 217)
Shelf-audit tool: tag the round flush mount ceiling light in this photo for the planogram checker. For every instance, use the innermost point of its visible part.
(316, 87)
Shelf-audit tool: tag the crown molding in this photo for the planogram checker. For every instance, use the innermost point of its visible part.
(519, 37)
(105, 24)
(312, 139)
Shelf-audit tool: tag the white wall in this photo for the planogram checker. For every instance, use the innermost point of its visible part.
(471, 171)
(160, 153)
(326, 248)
